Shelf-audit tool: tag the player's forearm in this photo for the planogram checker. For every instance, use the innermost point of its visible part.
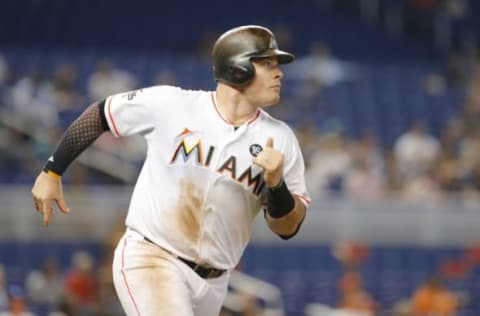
(79, 135)
(288, 225)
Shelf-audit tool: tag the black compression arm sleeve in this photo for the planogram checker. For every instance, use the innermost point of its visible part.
(79, 135)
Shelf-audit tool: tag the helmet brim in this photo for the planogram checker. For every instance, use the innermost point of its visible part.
(283, 57)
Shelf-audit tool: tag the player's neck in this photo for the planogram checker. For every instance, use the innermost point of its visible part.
(233, 106)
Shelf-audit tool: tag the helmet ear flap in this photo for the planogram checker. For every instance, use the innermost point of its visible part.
(241, 73)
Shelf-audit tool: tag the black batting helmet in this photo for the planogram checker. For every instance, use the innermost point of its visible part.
(234, 49)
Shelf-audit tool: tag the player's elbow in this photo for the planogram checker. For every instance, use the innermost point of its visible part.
(288, 225)
(289, 232)
(287, 237)
(286, 229)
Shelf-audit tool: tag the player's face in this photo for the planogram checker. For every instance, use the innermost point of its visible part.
(264, 90)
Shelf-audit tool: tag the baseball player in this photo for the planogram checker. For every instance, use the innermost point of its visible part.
(215, 159)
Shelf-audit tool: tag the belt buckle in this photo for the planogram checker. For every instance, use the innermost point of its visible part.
(214, 273)
(196, 266)
(210, 272)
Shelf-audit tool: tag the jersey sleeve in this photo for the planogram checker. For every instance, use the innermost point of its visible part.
(135, 112)
(294, 169)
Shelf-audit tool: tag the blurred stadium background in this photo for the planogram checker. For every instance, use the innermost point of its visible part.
(383, 97)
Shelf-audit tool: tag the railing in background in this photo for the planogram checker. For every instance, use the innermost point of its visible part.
(97, 209)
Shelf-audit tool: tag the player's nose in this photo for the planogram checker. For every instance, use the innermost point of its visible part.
(278, 73)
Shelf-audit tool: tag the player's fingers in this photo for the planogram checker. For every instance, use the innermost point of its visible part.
(36, 204)
(62, 205)
(269, 142)
(46, 216)
(263, 163)
(47, 212)
(258, 161)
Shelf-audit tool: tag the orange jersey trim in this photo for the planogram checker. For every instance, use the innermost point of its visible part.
(257, 114)
(303, 198)
(255, 117)
(129, 290)
(115, 129)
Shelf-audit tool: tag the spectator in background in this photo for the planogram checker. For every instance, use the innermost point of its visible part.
(17, 165)
(17, 305)
(32, 104)
(321, 66)
(364, 181)
(448, 175)
(307, 137)
(362, 184)
(434, 84)
(433, 298)
(451, 137)
(66, 96)
(449, 169)
(471, 112)
(350, 254)
(471, 187)
(416, 151)
(469, 150)
(328, 165)
(81, 283)
(473, 179)
(423, 188)
(108, 80)
(44, 286)
(366, 149)
(393, 180)
(354, 297)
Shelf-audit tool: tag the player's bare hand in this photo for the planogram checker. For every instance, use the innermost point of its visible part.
(271, 161)
(46, 191)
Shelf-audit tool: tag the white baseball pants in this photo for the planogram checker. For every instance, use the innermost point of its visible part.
(151, 282)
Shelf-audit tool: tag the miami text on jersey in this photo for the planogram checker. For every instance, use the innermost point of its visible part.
(188, 147)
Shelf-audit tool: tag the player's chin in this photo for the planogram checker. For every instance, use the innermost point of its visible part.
(267, 104)
(276, 99)
(273, 99)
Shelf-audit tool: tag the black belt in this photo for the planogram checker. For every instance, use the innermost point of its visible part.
(202, 271)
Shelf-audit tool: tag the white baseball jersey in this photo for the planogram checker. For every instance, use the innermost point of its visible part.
(198, 192)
